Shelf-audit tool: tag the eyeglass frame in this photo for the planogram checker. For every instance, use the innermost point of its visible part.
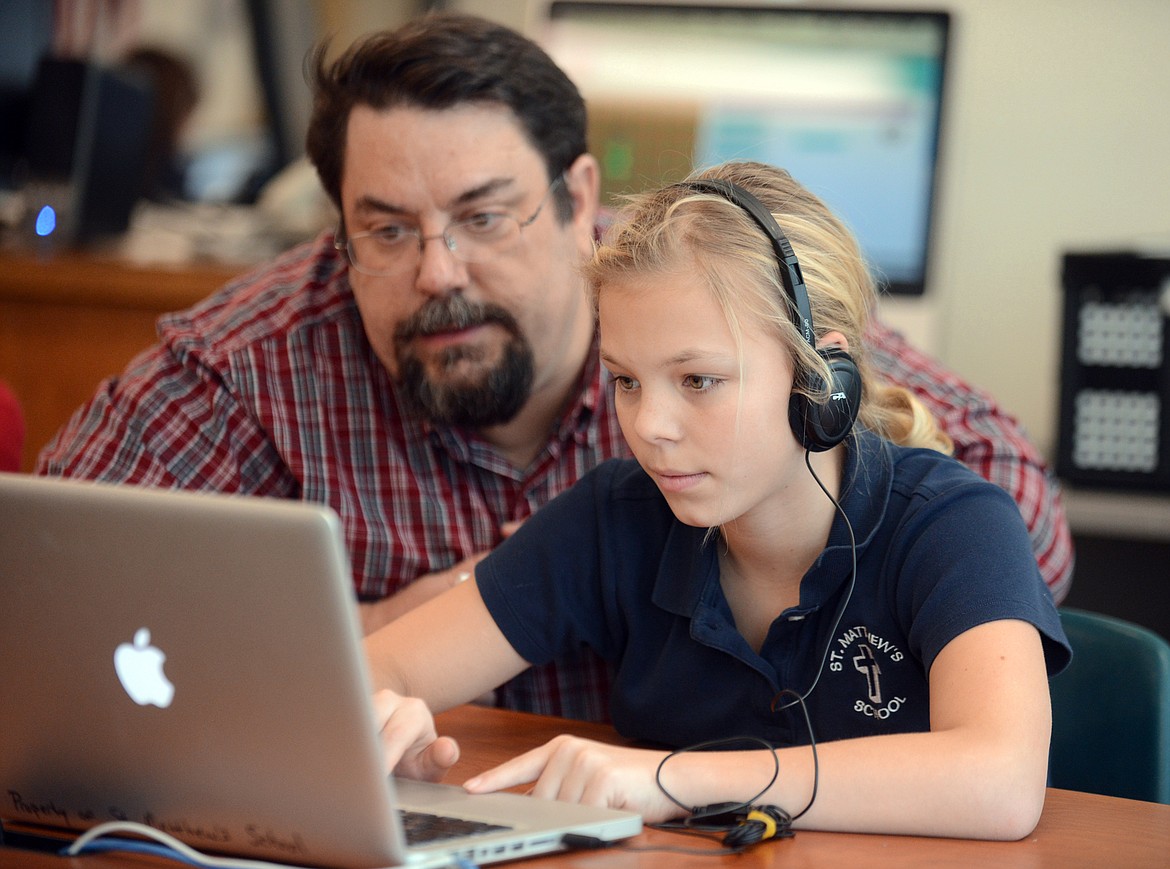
(344, 241)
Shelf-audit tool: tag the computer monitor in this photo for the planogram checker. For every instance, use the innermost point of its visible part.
(848, 100)
(26, 32)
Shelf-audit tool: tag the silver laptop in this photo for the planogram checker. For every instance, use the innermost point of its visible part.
(192, 662)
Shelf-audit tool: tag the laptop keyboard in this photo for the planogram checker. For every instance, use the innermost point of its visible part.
(423, 828)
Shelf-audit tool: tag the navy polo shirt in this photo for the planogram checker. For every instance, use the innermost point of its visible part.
(606, 565)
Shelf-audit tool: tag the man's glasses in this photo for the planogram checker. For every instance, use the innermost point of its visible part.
(396, 247)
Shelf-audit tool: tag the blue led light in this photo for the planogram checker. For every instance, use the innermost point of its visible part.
(46, 221)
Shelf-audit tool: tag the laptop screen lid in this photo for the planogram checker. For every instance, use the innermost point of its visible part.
(193, 662)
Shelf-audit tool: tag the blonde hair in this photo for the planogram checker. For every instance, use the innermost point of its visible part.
(676, 226)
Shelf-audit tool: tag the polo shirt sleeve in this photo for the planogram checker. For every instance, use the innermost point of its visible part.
(963, 558)
(559, 582)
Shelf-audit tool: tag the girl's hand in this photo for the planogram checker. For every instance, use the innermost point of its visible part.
(577, 770)
(412, 747)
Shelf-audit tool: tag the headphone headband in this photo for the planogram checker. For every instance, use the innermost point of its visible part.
(790, 274)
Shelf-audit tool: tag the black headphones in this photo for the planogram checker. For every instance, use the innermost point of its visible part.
(818, 427)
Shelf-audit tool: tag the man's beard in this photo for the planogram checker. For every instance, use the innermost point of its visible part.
(492, 398)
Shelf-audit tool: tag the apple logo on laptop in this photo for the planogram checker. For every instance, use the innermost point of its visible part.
(139, 666)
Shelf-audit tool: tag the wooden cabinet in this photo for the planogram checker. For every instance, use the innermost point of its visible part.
(70, 320)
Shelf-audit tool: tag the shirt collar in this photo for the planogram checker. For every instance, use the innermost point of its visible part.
(467, 445)
(689, 566)
(865, 495)
(590, 392)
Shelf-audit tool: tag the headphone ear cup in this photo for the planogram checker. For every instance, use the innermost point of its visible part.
(820, 427)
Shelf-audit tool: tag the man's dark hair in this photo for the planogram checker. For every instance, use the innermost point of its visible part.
(440, 61)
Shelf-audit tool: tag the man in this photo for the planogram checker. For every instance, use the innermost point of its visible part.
(431, 371)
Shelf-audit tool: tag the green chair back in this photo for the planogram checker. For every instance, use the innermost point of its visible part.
(1111, 710)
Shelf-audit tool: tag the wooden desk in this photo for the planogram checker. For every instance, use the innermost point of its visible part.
(1076, 830)
(70, 320)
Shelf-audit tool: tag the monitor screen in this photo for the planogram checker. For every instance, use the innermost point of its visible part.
(848, 100)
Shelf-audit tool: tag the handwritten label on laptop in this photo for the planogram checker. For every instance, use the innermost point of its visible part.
(44, 812)
(266, 837)
(50, 813)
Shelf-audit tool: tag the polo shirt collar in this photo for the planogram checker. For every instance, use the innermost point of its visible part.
(688, 572)
(865, 496)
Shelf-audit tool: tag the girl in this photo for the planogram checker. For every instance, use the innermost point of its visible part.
(791, 560)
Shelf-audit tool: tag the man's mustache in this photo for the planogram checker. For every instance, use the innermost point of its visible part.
(453, 313)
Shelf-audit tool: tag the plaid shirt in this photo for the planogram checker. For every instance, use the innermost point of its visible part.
(269, 387)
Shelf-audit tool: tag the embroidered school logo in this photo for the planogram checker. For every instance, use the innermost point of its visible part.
(859, 651)
(864, 662)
